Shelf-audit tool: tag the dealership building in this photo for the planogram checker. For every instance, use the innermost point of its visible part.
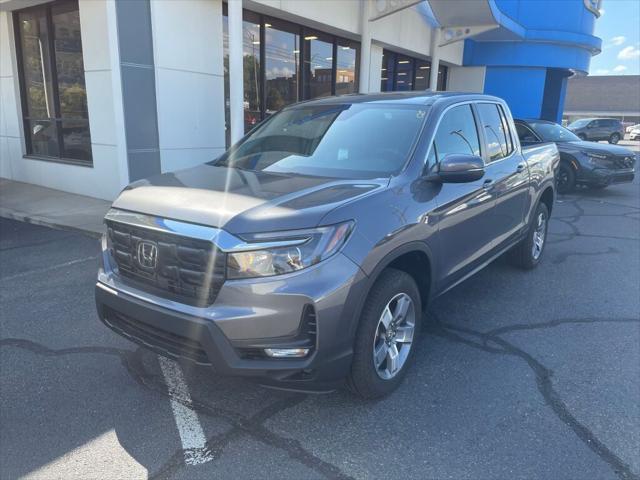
(95, 94)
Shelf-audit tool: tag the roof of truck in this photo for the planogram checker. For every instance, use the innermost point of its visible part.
(410, 98)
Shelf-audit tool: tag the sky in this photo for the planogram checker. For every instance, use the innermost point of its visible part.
(619, 29)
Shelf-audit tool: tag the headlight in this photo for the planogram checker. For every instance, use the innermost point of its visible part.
(311, 247)
(597, 158)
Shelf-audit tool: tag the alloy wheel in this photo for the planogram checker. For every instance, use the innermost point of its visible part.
(394, 336)
(539, 235)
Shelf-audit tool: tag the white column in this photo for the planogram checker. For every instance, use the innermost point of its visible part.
(365, 47)
(236, 80)
(435, 59)
(189, 71)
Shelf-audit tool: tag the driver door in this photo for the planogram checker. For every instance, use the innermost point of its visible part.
(465, 210)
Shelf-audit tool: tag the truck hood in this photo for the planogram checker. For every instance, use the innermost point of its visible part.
(242, 201)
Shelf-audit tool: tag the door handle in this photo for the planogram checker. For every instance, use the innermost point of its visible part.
(488, 183)
(520, 167)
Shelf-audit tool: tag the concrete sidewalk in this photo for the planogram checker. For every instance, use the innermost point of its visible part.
(52, 208)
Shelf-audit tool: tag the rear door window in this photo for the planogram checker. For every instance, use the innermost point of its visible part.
(495, 131)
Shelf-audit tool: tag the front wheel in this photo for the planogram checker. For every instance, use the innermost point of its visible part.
(583, 137)
(566, 180)
(386, 336)
(528, 252)
(614, 138)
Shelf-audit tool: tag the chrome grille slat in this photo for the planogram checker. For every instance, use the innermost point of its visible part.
(184, 271)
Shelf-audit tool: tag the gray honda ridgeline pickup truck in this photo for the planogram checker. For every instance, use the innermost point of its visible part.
(305, 255)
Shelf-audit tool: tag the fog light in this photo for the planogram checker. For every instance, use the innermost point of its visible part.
(286, 352)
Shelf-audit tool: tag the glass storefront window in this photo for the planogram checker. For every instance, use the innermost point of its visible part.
(51, 73)
(404, 73)
(400, 72)
(318, 65)
(285, 63)
(423, 70)
(282, 58)
(347, 58)
(251, 70)
(443, 71)
(225, 62)
(388, 71)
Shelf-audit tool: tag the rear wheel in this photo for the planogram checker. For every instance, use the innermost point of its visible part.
(566, 180)
(528, 252)
(614, 138)
(388, 329)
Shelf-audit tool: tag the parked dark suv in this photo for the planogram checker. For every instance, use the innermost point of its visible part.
(594, 165)
(306, 253)
(596, 129)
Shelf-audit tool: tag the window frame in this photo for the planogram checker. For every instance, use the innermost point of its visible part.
(509, 135)
(50, 61)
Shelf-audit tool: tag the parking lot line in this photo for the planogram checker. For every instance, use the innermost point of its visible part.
(194, 442)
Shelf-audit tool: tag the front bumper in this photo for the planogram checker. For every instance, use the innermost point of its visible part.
(605, 176)
(248, 316)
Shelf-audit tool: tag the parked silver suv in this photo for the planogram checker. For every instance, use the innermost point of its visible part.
(305, 255)
(596, 129)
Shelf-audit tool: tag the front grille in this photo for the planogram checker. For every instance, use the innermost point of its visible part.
(164, 342)
(623, 162)
(185, 270)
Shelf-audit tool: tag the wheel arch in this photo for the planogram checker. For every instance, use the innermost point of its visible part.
(570, 160)
(414, 258)
(547, 197)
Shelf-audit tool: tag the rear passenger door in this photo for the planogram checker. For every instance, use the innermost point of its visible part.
(596, 130)
(508, 171)
(464, 210)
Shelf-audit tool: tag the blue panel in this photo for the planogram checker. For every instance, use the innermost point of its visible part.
(521, 88)
(526, 54)
(556, 40)
(564, 15)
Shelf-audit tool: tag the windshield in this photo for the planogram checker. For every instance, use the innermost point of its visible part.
(579, 123)
(552, 132)
(344, 141)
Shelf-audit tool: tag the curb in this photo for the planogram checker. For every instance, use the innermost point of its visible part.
(44, 222)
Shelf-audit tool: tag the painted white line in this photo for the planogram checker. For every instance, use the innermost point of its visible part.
(194, 443)
(50, 268)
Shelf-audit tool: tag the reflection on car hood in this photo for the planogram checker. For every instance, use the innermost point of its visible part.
(595, 147)
(242, 201)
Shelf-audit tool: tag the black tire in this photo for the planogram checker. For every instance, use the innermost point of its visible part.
(582, 137)
(522, 255)
(566, 180)
(614, 138)
(364, 379)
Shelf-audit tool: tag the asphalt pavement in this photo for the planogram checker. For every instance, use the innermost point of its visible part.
(517, 375)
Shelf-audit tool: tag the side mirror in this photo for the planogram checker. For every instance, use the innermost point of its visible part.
(459, 169)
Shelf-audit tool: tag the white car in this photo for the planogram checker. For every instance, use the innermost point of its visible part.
(634, 134)
(632, 127)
